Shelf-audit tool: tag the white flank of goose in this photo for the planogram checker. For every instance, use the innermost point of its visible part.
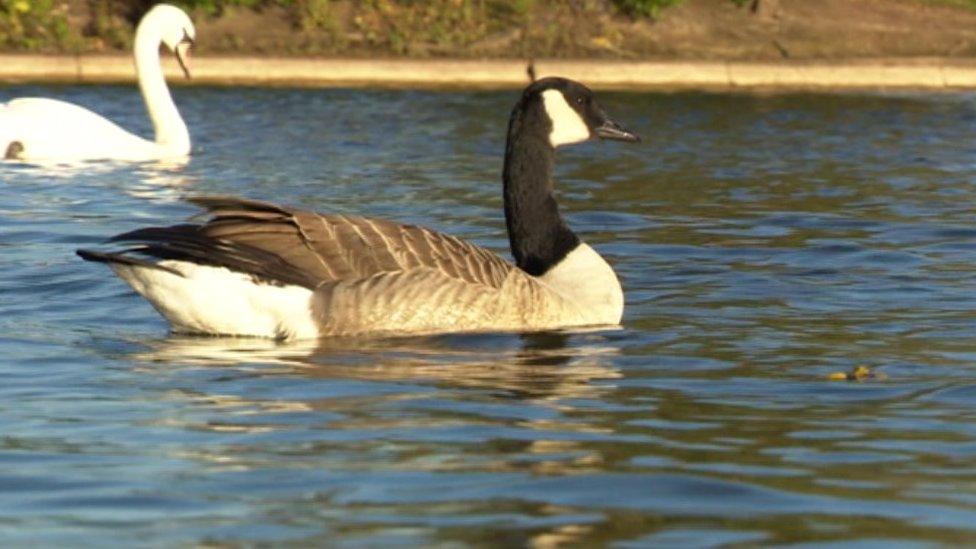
(37, 129)
(258, 269)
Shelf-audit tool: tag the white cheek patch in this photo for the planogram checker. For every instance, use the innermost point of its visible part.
(567, 125)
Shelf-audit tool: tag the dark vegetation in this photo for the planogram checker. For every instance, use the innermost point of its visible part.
(398, 26)
(619, 29)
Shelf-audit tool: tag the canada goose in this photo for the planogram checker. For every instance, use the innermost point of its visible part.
(258, 269)
(40, 129)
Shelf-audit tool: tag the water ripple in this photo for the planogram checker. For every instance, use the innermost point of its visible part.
(764, 242)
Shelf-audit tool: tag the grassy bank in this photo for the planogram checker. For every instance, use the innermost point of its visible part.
(396, 25)
(320, 26)
(594, 29)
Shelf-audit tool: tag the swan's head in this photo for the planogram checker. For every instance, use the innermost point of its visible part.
(174, 29)
(572, 112)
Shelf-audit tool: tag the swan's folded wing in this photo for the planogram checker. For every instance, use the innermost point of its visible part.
(338, 247)
(56, 130)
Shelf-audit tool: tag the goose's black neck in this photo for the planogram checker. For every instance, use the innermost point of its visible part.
(537, 233)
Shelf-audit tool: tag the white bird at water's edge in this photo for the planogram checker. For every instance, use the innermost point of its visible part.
(258, 269)
(49, 130)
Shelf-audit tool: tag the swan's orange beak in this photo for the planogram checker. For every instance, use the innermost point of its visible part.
(183, 56)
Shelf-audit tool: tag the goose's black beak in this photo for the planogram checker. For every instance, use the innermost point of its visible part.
(611, 130)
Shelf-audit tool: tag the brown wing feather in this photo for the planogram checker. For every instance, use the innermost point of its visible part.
(339, 247)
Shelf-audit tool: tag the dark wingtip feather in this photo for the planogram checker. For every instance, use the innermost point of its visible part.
(190, 243)
(92, 255)
(152, 234)
(109, 258)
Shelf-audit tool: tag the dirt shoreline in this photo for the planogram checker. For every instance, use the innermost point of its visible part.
(893, 73)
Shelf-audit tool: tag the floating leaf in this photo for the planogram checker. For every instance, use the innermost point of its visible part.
(859, 373)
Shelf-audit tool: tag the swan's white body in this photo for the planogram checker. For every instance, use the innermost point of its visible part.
(40, 129)
(49, 129)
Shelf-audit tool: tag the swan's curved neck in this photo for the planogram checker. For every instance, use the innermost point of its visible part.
(171, 132)
(537, 233)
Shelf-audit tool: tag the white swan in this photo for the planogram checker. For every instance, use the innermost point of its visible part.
(40, 129)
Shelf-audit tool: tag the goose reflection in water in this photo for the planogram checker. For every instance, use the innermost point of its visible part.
(542, 364)
(401, 403)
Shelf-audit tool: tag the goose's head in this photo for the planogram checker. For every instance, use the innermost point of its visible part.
(572, 112)
(175, 31)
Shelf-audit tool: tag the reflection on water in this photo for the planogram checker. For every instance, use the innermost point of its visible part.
(540, 366)
(157, 180)
(762, 242)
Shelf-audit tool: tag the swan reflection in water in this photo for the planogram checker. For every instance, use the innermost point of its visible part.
(75, 168)
(160, 181)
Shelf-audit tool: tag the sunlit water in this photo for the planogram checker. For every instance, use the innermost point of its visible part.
(763, 243)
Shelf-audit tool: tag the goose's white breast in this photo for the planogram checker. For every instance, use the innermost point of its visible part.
(587, 280)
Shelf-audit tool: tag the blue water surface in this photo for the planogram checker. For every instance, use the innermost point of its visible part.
(764, 242)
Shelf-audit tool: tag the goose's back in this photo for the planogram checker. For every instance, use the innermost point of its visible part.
(329, 248)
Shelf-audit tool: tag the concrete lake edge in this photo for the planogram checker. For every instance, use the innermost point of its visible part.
(868, 74)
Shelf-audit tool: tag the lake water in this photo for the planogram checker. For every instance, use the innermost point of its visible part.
(763, 242)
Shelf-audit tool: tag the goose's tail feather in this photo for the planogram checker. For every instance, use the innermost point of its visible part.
(122, 259)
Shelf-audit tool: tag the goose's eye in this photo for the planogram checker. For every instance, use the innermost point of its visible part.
(579, 99)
